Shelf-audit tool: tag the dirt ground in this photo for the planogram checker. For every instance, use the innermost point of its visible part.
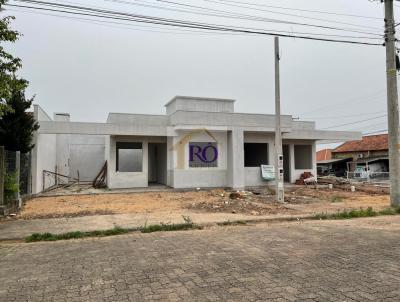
(259, 202)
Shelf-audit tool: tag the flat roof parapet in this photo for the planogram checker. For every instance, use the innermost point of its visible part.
(189, 103)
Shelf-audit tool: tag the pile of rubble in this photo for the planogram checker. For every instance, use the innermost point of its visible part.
(306, 178)
(241, 202)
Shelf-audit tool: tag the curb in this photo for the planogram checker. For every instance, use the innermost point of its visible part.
(210, 224)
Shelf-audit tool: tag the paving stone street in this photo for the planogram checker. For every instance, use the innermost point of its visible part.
(355, 260)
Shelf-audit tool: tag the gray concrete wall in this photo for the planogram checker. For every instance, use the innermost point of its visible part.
(141, 119)
(253, 174)
(43, 154)
(118, 179)
(87, 153)
(253, 177)
(189, 177)
(199, 104)
(45, 160)
(235, 170)
(63, 154)
(295, 173)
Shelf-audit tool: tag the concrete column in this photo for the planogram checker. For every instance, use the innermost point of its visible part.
(236, 177)
(2, 172)
(292, 164)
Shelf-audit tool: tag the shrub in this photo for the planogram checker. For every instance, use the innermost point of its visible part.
(11, 187)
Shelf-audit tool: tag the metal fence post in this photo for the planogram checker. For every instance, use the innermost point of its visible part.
(18, 173)
(2, 172)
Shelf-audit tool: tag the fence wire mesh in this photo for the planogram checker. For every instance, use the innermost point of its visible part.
(22, 171)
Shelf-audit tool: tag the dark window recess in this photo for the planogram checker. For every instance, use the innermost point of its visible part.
(302, 157)
(255, 154)
(129, 157)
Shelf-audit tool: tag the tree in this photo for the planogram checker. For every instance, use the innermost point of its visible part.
(17, 125)
(8, 63)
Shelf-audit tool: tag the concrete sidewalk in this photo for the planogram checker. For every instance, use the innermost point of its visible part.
(19, 229)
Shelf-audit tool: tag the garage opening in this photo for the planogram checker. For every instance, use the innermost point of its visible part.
(302, 157)
(157, 168)
(255, 154)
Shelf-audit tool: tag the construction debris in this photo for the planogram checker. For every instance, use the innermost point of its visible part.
(306, 178)
(100, 180)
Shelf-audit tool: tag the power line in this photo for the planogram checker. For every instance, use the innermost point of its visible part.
(282, 21)
(266, 20)
(239, 16)
(342, 116)
(135, 27)
(376, 132)
(356, 122)
(303, 10)
(353, 100)
(144, 28)
(286, 14)
(85, 11)
(212, 12)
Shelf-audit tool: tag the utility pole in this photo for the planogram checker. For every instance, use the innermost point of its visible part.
(392, 104)
(278, 135)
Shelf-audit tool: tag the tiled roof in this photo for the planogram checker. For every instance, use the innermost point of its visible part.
(368, 143)
(324, 154)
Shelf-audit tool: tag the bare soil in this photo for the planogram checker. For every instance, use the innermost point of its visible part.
(303, 200)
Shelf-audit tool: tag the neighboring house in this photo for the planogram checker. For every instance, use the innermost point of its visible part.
(199, 142)
(326, 165)
(369, 157)
(325, 154)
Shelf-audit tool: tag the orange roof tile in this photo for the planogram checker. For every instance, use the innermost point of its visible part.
(324, 154)
(368, 143)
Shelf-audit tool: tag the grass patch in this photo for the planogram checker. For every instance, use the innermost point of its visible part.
(170, 227)
(188, 224)
(358, 213)
(75, 235)
(390, 211)
(336, 198)
(236, 222)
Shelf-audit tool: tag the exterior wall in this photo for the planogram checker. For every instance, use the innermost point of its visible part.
(295, 173)
(87, 154)
(63, 153)
(44, 152)
(119, 180)
(253, 175)
(366, 154)
(189, 177)
(199, 104)
(45, 160)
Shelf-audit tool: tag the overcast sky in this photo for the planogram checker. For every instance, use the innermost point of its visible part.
(90, 69)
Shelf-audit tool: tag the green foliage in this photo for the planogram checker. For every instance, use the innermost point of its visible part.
(187, 225)
(390, 211)
(170, 227)
(17, 126)
(8, 63)
(75, 235)
(10, 187)
(369, 212)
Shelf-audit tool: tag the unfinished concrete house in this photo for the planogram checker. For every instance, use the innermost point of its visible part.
(199, 142)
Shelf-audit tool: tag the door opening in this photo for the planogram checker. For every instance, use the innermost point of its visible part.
(286, 163)
(157, 163)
